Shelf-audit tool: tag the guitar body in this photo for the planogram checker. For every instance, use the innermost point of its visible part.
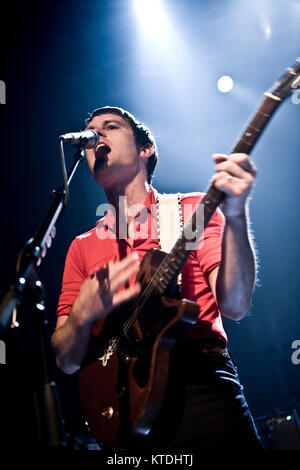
(122, 399)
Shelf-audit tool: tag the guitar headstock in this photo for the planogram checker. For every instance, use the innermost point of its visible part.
(289, 82)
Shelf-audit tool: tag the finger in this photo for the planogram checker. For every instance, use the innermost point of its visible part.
(122, 275)
(244, 161)
(233, 169)
(241, 159)
(126, 294)
(222, 178)
(231, 185)
(116, 266)
(219, 157)
(102, 274)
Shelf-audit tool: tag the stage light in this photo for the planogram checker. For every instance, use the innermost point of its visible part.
(150, 13)
(267, 32)
(40, 306)
(225, 84)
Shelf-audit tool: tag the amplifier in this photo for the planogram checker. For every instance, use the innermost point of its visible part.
(281, 432)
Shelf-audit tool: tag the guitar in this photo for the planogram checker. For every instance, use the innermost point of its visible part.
(123, 380)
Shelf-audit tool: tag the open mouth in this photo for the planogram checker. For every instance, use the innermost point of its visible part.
(102, 150)
(101, 156)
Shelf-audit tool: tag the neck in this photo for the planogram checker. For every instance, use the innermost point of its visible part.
(132, 193)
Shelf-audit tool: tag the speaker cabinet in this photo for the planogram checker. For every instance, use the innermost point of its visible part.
(280, 432)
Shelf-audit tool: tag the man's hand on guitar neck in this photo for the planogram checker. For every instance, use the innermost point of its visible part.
(98, 296)
(234, 176)
(233, 280)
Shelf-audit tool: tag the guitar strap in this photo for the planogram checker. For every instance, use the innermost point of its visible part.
(169, 221)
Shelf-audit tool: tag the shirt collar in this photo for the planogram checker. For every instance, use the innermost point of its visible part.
(151, 198)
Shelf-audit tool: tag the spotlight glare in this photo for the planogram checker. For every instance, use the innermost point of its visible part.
(225, 84)
(268, 32)
(150, 13)
(148, 7)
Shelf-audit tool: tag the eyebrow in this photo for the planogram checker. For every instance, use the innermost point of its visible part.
(105, 123)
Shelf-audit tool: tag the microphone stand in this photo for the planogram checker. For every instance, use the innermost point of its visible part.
(27, 285)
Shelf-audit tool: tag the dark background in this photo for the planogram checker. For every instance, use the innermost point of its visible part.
(60, 60)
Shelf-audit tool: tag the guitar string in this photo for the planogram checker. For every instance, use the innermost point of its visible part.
(153, 282)
(145, 295)
(140, 304)
(142, 299)
(147, 291)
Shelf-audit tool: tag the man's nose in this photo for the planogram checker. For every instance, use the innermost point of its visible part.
(101, 133)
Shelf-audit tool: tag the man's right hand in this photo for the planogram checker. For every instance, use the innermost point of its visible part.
(99, 293)
(98, 296)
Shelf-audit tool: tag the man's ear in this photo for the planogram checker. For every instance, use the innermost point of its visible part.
(146, 151)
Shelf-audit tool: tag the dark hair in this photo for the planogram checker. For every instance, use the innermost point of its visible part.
(141, 132)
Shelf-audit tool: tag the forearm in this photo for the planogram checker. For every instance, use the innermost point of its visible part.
(70, 343)
(237, 271)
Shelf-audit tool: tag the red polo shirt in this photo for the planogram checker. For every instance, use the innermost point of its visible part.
(94, 249)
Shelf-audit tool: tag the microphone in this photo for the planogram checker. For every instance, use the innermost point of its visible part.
(87, 138)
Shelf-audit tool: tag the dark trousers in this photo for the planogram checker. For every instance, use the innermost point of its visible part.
(205, 407)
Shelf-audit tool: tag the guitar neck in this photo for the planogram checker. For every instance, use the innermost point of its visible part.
(173, 262)
(192, 231)
(213, 197)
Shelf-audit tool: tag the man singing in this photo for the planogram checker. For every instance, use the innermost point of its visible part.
(206, 408)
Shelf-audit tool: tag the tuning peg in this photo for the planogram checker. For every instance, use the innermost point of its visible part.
(49, 241)
(53, 232)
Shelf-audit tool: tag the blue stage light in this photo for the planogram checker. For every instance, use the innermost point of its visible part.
(150, 13)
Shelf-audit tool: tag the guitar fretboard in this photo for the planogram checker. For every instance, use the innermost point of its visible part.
(212, 199)
(173, 262)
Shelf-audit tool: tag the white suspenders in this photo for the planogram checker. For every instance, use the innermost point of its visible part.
(169, 221)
